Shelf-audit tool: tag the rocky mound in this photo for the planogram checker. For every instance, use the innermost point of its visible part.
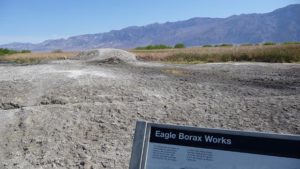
(107, 55)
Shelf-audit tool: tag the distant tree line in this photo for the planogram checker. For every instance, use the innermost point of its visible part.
(250, 44)
(4, 51)
(160, 46)
(181, 45)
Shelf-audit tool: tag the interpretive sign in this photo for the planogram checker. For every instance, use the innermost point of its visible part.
(158, 146)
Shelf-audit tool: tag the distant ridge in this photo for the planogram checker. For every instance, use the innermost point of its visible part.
(280, 25)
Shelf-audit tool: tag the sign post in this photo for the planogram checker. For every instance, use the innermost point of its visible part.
(159, 146)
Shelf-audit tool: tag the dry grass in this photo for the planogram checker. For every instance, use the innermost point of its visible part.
(274, 53)
(37, 57)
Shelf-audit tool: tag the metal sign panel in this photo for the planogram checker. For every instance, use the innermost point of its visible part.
(159, 146)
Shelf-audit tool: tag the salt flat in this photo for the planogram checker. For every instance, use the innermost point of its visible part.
(82, 113)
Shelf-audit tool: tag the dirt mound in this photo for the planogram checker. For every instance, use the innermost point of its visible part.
(107, 55)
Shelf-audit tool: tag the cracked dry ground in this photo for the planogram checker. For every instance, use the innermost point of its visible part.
(74, 115)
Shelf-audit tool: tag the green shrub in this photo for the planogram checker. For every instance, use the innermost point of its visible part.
(207, 46)
(269, 43)
(291, 43)
(226, 45)
(151, 47)
(179, 45)
(4, 51)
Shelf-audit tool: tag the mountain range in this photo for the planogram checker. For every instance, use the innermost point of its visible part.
(280, 25)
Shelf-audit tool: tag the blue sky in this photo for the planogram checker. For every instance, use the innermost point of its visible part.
(38, 20)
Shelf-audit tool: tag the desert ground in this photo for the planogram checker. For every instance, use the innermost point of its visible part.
(81, 113)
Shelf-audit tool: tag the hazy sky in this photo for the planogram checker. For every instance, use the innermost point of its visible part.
(38, 20)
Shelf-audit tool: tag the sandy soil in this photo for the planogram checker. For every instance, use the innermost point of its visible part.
(74, 114)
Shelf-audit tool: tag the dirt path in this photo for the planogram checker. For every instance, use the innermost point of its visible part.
(71, 114)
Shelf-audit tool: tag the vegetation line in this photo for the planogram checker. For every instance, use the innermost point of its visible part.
(26, 57)
(4, 51)
(160, 46)
(268, 52)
